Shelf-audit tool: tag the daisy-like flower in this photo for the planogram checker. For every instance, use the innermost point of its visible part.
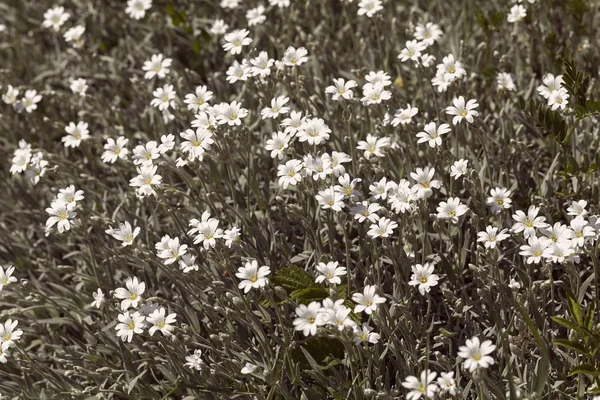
(337, 159)
(125, 233)
(375, 94)
(157, 66)
(551, 84)
(491, 236)
(517, 13)
(447, 383)
(161, 322)
(423, 277)
(278, 144)
(60, 215)
(459, 168)
(113, 150)
(536, 249)
(499, 199)
(136, 9)
(280, 3)
(559, 99)
(425, 182)
(236, 40)
(231, 4)
(380, 77)
(577, 208)
(187, 263)
(558, 233)
(99, 298)
(451, 68)
(428, 33)
(130, 324)
(528, 223)
(347, 186)
(10, 97)
(198, 101)
(379, 190)
(366, 211)
(231, 113)
(330, 199)
(194, 361)
(131, 295)
(432, 134)
(30, 100)
(295, 57)
(167, 142)
(582, 231)
(402, 196)
(383, 228)
(252, 276)
(365, 335)
(146, 180)
(404, 115)
(238, 72)
(562, 251)
(308, 318)
(76, 134)
(293, 123)
(6, 277)
(55, 17)
(256, 15)
(8, 333)
(249, 368)
(261, 65)
(462, 110)
(146, 154)
(289, 173)
(412, 51)
(451, 209)
(367, 301)
(4, 352)
(231, 235)
(314, 131)
(425, 386)
(79, 86)
(369, 7)
(475, 354)
(330, 272)
(505, 82)
(69, 196)
(74, 35)
(196, 143)
(277, 108)
(219, 27)
(206, 230)
(341, 88)
(164, 97)
(373, 146)
(339, 318)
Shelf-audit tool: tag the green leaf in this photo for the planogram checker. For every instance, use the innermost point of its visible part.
(571, 345)
(293, 278)
(575, 308)
(309, 294)
(589, 317)
(584, 369)
(565, 322)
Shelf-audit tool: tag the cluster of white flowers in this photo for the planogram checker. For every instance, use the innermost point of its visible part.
(31, 164)
(554, 92)
(62, 209)
(9, 336)
(27, 103)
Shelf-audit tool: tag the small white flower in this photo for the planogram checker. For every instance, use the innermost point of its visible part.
(132, 294)
(124, 233)
(252, 276)
(129, 324)
(367, 301)
(99, 298)
(475, 354)
(330, 272)
(423, 277)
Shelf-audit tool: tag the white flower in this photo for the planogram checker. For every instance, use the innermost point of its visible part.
(164, 97)
(313, 131)
(115, 150)
(194, 361)
(425, 181)
(462, 110)
(499, 199)
(261, 65)
(167, 142)
(577, 208)
(447, 383)
(146, 180)
(424, 386)
(491, 236)
(132, 295)
(170, 250)
(59, 215)
(366, 211)
(196, 142)
(55, 17)
(432, 134)
(8, 334)
(375, 94)
(219, 27)
(234, 41)
(198, 101)
(517, 13)
(536, 249)
(551, 84)
(412, 51)
(367, 301)
(293, 123)
(475, 354)
(10, 97)
(30, 100)
(428, 33)
(383, 228)
(293, 57)
(277, 108)
(187, 263)
(340, 317)
(308, 318)
(330, 272)
(6, 277)
(280, 3)
(249, 368)
(157, 66)
(451, 209)
(231, 235)
(347, 186)
(278, 144)
(99, 298)
(528, 223)
(161, 322)
(79, 86)
(136, 9)
(423, 277)
(74, 35)
(505, 82)
(124, 233)
(341, 88)
(69, 196)
(206, 230)
(373, 146)
(330, 198)
(76, 133)
(582, 231)
(369, 7)
(559, 99)
(365, 335)
(256, 15)
(230, 113)
(459, 168)
(404, 115)
(289, 173)
(129, 324)
(252, 276)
